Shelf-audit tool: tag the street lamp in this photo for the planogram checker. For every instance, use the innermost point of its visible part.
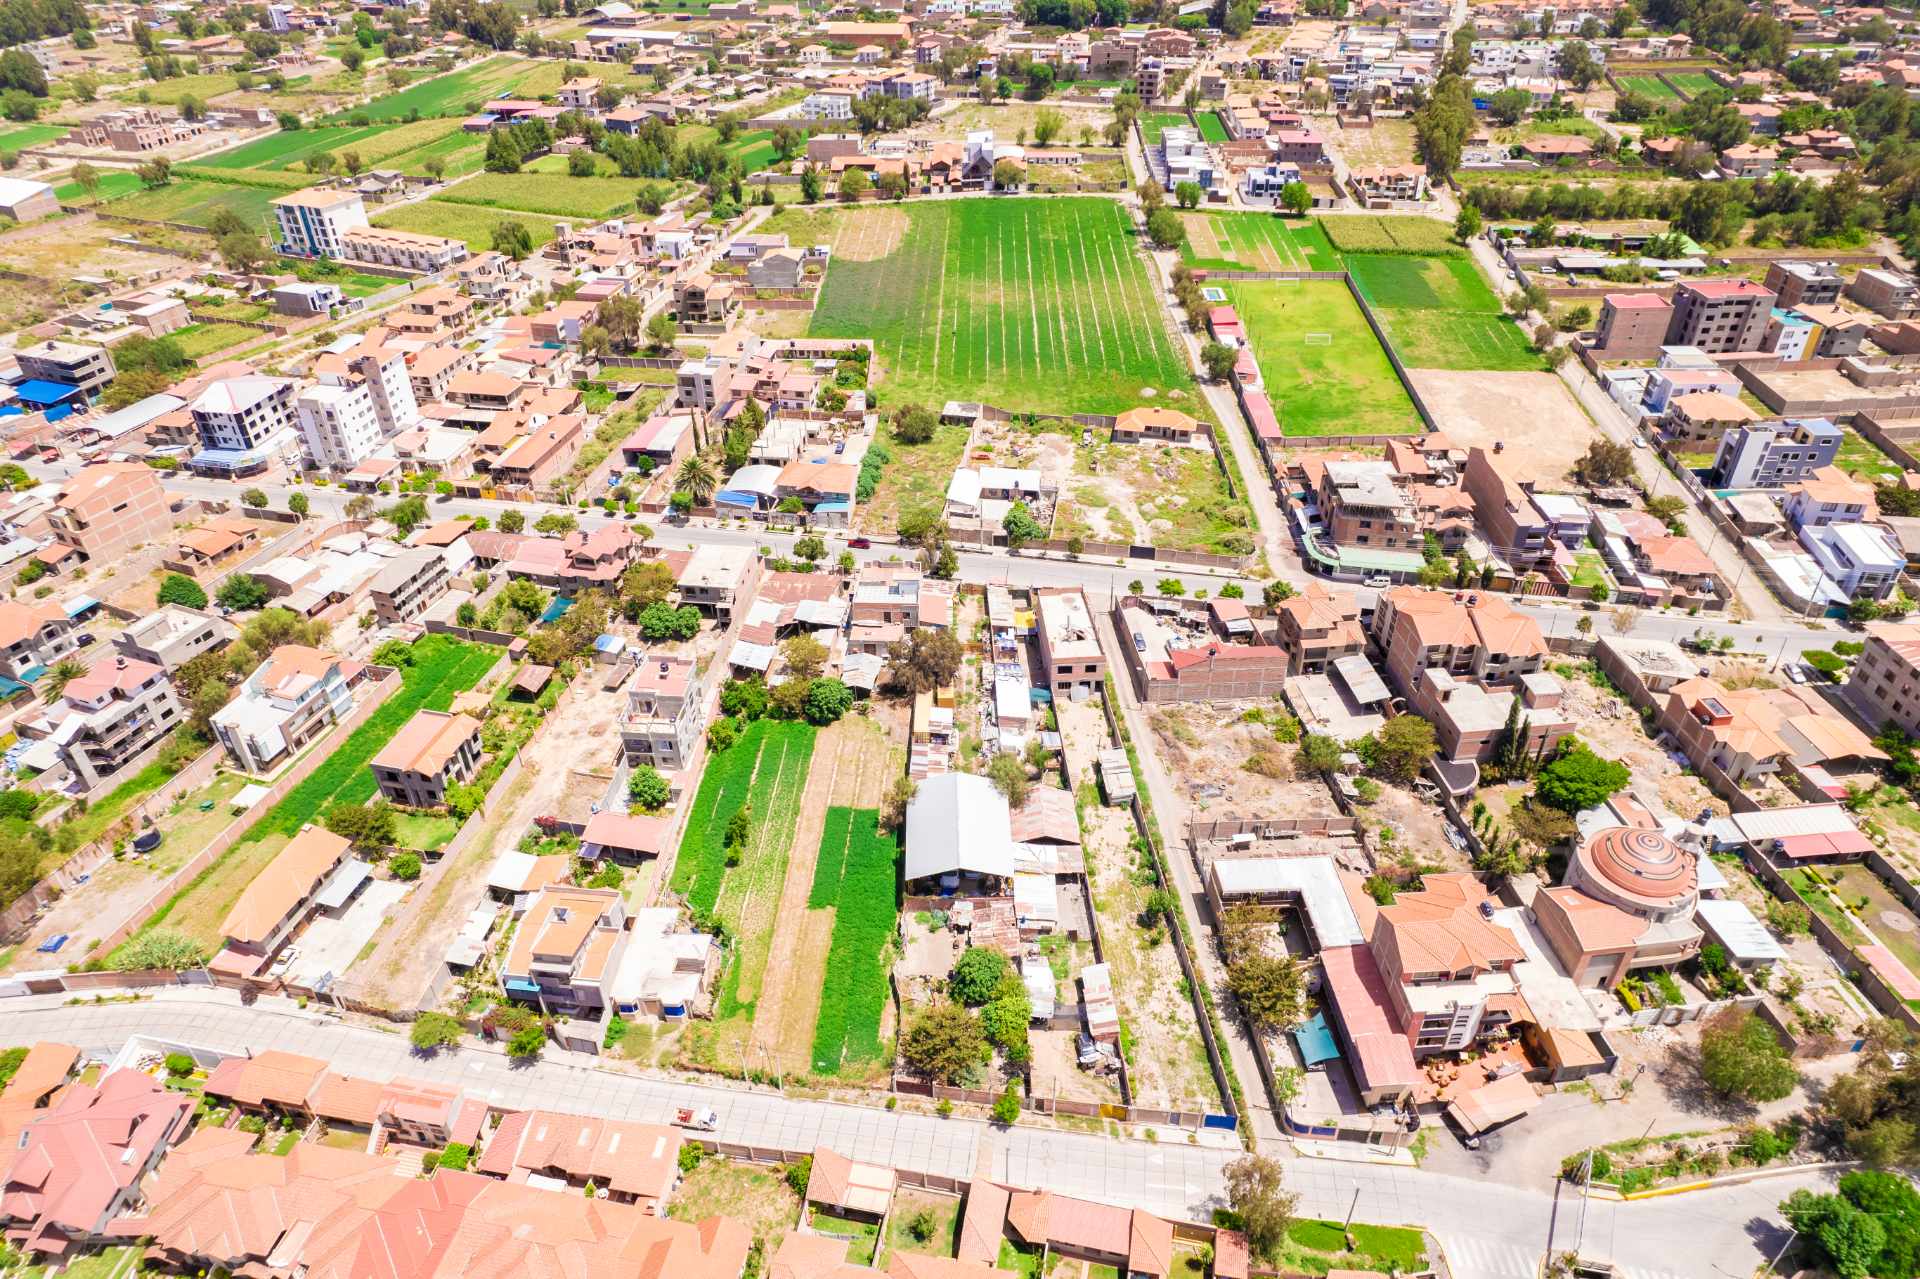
(1792, 1234)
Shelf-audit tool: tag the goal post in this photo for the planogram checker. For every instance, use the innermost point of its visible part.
(1317, 339)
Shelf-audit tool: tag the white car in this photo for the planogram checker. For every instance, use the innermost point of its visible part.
(1378, 581)
(1796, 672)
(1639, 441)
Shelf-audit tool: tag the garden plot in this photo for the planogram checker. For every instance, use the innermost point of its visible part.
(852, 761)
(1027, 304)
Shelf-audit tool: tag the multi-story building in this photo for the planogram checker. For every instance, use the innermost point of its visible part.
(1804, 283)
(71, 363)
(1894, 294)
(1448, 968)
(1362, 505)
(1720, 315)
(1319, 626)
(1069, 649)
(388, 380)
(244, 414)
(666, 700)
(543, 454)
(110, 508)
(280, 897)
(434, 752)
(315, 223)
(34, 634)
(1857, 557)
(1633, 326)
(705, 300)
(406, 250)
(1514, 527)
(173, 636)
(1885, 686)
(719, 579)
(1419, 630)
(337, 424)
(1774, 454)
(565, 952)
(289, 700)
(410, 582)
(106, 718)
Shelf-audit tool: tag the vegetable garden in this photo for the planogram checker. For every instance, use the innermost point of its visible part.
(1353, 233)
(857, 876)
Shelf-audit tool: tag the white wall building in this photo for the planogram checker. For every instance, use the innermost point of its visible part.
(314, 223)
(338, 424)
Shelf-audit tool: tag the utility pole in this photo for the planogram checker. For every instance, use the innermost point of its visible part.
(1586, 1194)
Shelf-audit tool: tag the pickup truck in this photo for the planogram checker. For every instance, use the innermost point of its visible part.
(702, 1119)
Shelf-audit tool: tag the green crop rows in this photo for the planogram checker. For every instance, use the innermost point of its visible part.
(857, 875)
(730, 776)
(1038, 304)
(1353, 233)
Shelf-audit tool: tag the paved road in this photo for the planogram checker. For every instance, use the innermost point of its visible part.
(1489, 1231)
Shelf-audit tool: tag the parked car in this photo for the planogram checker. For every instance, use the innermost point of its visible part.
(1639, 441)
(859, 543)
(700, 1118)
(1378, 581)
(1796, 672)
(52, 945)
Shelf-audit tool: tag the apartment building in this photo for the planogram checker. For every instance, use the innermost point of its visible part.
(666, 712)
(1894, 294)
(409, 584)
(244, 422)
(383, 370)
(1633, 326)
(172, 636)
(1361, 504)
(290, 699)
(566, 951)
(432, 372)
(34, 635)
(1448, 967)
(704, 300)
(1886, 682)
(1774, 454)
(279, 899)
(1069, 649)
(1721, 315)
(1448, 658)
(70, 363)
(1514, 527)
(108, 509)
(1319, 626)
(315, 223)
(337, 424)
(434, 752)
(1804, 283)
(404, 250)
(105, 719)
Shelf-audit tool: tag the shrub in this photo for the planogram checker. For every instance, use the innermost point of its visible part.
(527, 1042)
(405, 866)
(798, 1173)
(179, 1065)
(1006, 1107)
(178, 588)
(433, 1030)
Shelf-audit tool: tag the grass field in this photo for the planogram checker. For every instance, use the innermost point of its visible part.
(450, 94)
(1037, 304)
(1653, 88)
(1440, 314)
(202, 340)
(1156, 123)
(470, 222)
(195, 203)
(1691, 83)
(22, 136)
(1862, 459)
(1255, 242)
(856, 877)
(203, 87)
(1212, 128)
(563, 197)
(113, 184)
(375, 144)
(1353, 233)
(1344, 386)
(754, 150)
(442, 669)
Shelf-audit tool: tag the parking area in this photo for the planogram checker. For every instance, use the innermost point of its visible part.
(331, 944)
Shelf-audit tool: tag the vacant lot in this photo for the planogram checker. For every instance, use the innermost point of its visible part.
(1440, 314)
(202, 340)
(1324, 369)
(757, 1197)
(1023, 303)
(470, 222)
(1220, 241)
(1533, 414)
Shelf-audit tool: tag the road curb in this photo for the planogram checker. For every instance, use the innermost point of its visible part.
(1611, 1195)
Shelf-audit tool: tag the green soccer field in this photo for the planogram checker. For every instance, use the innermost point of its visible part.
(1156, 123)
(1027, 304)
(1691, 83)
(1255, 242)
(1324, 370)
(1212, 127)
(1440, 314)
(1650, 87)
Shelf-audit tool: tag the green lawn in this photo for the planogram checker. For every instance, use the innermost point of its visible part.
(1323, 368)
(564, 197)
(1315, 1247)
(1691, 83)
(470, 222)
(21, 136)
(1870, 897)
(1440, 314)
(1158, 122)
(108, 1263)
(1022, 303)
(93, 823)
(754, 150)
(427, 832)
(1212, 127)
(941, 1222)
(1588, 570)
(202, 340)
(861, 1236)
(1219, 241)
(1862, 459)
(194, 203)
(1650, 87)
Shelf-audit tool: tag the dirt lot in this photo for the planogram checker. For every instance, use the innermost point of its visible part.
(1405, 828)
(1387, 142)
(1166, 1061)
(1009, 120)
(1608, 723)
(583, 729)
(1531, 413)
(1209, 749)
(853, 761)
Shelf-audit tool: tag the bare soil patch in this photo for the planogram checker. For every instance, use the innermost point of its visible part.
(1532, 414)
(867, 235)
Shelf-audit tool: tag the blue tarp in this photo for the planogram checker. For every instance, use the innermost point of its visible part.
(39, 392)
(1316, 1041)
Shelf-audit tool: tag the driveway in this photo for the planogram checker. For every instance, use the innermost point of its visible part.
(331, 944)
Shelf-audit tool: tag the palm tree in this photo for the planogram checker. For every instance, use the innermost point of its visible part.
(698, 479)
(59, 676)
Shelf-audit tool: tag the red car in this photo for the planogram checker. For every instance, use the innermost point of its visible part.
(859, 543)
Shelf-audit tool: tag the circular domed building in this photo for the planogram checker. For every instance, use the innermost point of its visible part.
(1642, 872)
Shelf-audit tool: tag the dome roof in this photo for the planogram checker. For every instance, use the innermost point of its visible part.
(1643, 863)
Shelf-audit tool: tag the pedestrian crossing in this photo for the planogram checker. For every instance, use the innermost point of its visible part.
(1479, 1257)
